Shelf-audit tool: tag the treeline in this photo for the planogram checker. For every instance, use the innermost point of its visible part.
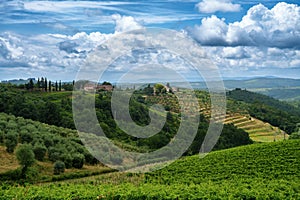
(268, 109)
(53, 109)
(45, 85)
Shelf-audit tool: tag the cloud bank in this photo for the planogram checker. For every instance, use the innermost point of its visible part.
(277, 27)
(265, 38)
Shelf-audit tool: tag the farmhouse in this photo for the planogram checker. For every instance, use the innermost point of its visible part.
(89, 87)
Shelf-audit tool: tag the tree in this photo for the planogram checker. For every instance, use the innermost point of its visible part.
(56, 86)
(78, 161)
(38, 83)
(159, 88)
(11, 141)
(25, 157)
(59, 167)
(39, 151)
(25, 137)
(59, 87)
(106, 83)
(50, 86)
(42, 83)
(51, 113)
(30, 85)
(46, 84)
(67, 87)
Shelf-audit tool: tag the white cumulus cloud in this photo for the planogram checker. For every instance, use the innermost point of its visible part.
(276, 27)
(212, 6)
(125, 23)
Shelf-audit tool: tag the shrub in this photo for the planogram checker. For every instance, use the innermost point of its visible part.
(56, 153)
(59, 167)
(78, 161)
(48, 141)
(25, 137)
(11, 141)
(39, 151)
(68, 160)
(295, 135)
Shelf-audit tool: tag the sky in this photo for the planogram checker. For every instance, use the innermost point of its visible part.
(242, 38)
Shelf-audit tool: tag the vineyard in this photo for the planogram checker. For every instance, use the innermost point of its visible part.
(258, 130)
(259, 171)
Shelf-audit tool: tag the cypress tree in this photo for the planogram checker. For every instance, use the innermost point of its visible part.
(42, 83)
(50, 86)
(59, 85)
(38, 84)
(46, 84)
(56, 86)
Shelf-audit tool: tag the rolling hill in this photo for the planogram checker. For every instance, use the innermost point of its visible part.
(259, 171)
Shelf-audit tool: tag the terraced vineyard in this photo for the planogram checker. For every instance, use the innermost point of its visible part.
(258, 130)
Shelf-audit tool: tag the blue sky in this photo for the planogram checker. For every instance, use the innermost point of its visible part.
(242, 38)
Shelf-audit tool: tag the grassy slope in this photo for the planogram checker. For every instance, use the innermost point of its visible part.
(259, 171)
(7, 161)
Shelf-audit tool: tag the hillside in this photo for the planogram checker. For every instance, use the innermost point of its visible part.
(267, 109)
(277, 160)
(259, 171)
(55, 108)
(49, 144)
(61, 144)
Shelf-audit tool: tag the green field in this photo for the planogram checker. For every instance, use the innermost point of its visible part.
(259, 171)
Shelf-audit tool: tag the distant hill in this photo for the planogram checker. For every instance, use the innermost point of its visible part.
(285, 94)
(256, 83)
(279, 88)
(18, 81)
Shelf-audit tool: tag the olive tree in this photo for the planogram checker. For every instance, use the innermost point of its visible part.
(25, 157)
(11, 141)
